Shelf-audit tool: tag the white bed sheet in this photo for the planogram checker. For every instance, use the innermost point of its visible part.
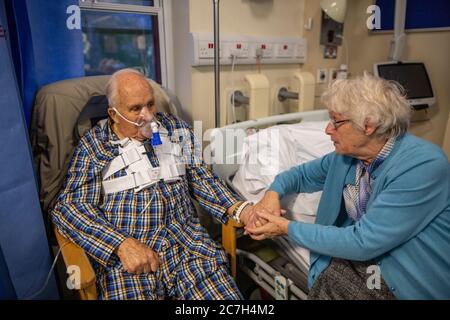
(274, 150)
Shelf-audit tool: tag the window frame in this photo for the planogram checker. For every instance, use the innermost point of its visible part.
(161, 9)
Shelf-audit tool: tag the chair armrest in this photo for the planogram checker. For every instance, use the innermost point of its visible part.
(74, 255)
(233, 224)
(229, 242)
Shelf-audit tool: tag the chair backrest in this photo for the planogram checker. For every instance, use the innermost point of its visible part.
(55, 114)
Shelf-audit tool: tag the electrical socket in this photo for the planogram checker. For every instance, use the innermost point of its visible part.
(259, 52)
(239, 49)
(263, 50)
(285, 50)
(322, 75)
(333, 74)
(206, 50)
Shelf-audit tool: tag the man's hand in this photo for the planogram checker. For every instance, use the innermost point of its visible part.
(136, 257)
(248, 216)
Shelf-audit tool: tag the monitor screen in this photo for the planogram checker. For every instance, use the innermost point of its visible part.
(412, 76)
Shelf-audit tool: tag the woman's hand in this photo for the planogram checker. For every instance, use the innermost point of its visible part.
(270, 202)
(275, 226)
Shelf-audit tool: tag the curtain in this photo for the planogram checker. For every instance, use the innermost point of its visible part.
(7, 291)
(44, 49)
(26, 258)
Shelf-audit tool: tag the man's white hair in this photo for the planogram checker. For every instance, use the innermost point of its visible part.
(370, 99)
(112, 91)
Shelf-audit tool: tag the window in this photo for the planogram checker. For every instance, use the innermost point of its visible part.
(121, 34)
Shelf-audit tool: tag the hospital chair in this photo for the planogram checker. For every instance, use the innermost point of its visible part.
(56, 124)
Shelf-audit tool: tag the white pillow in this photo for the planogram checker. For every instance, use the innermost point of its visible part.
(276, 149)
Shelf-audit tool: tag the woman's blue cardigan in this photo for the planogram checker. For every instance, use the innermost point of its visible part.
(406, 228)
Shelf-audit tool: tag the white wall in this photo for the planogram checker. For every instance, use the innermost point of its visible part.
(195, 86)
(249, 17)
(183, 82)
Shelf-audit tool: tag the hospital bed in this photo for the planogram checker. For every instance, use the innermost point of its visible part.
(284, 277)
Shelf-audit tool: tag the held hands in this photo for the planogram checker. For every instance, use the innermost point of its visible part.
(269, 202)
(136, 257)
(275, 226)
(260, 219)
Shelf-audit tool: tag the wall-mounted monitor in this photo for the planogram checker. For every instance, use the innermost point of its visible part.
(413, 77)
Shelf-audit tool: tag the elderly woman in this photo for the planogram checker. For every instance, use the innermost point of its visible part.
(383, 223)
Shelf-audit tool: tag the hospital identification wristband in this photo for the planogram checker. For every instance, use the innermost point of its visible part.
(237, 212)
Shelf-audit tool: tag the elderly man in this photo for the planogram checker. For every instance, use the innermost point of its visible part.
(126, 202)
(383, 223)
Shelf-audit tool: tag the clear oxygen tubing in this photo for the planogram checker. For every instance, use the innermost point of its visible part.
(144, 124)
(34, 295)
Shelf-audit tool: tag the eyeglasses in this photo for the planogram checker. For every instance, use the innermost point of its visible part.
(336, 124)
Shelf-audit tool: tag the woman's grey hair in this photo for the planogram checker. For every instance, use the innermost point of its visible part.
(370, 99)
(112, 85)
